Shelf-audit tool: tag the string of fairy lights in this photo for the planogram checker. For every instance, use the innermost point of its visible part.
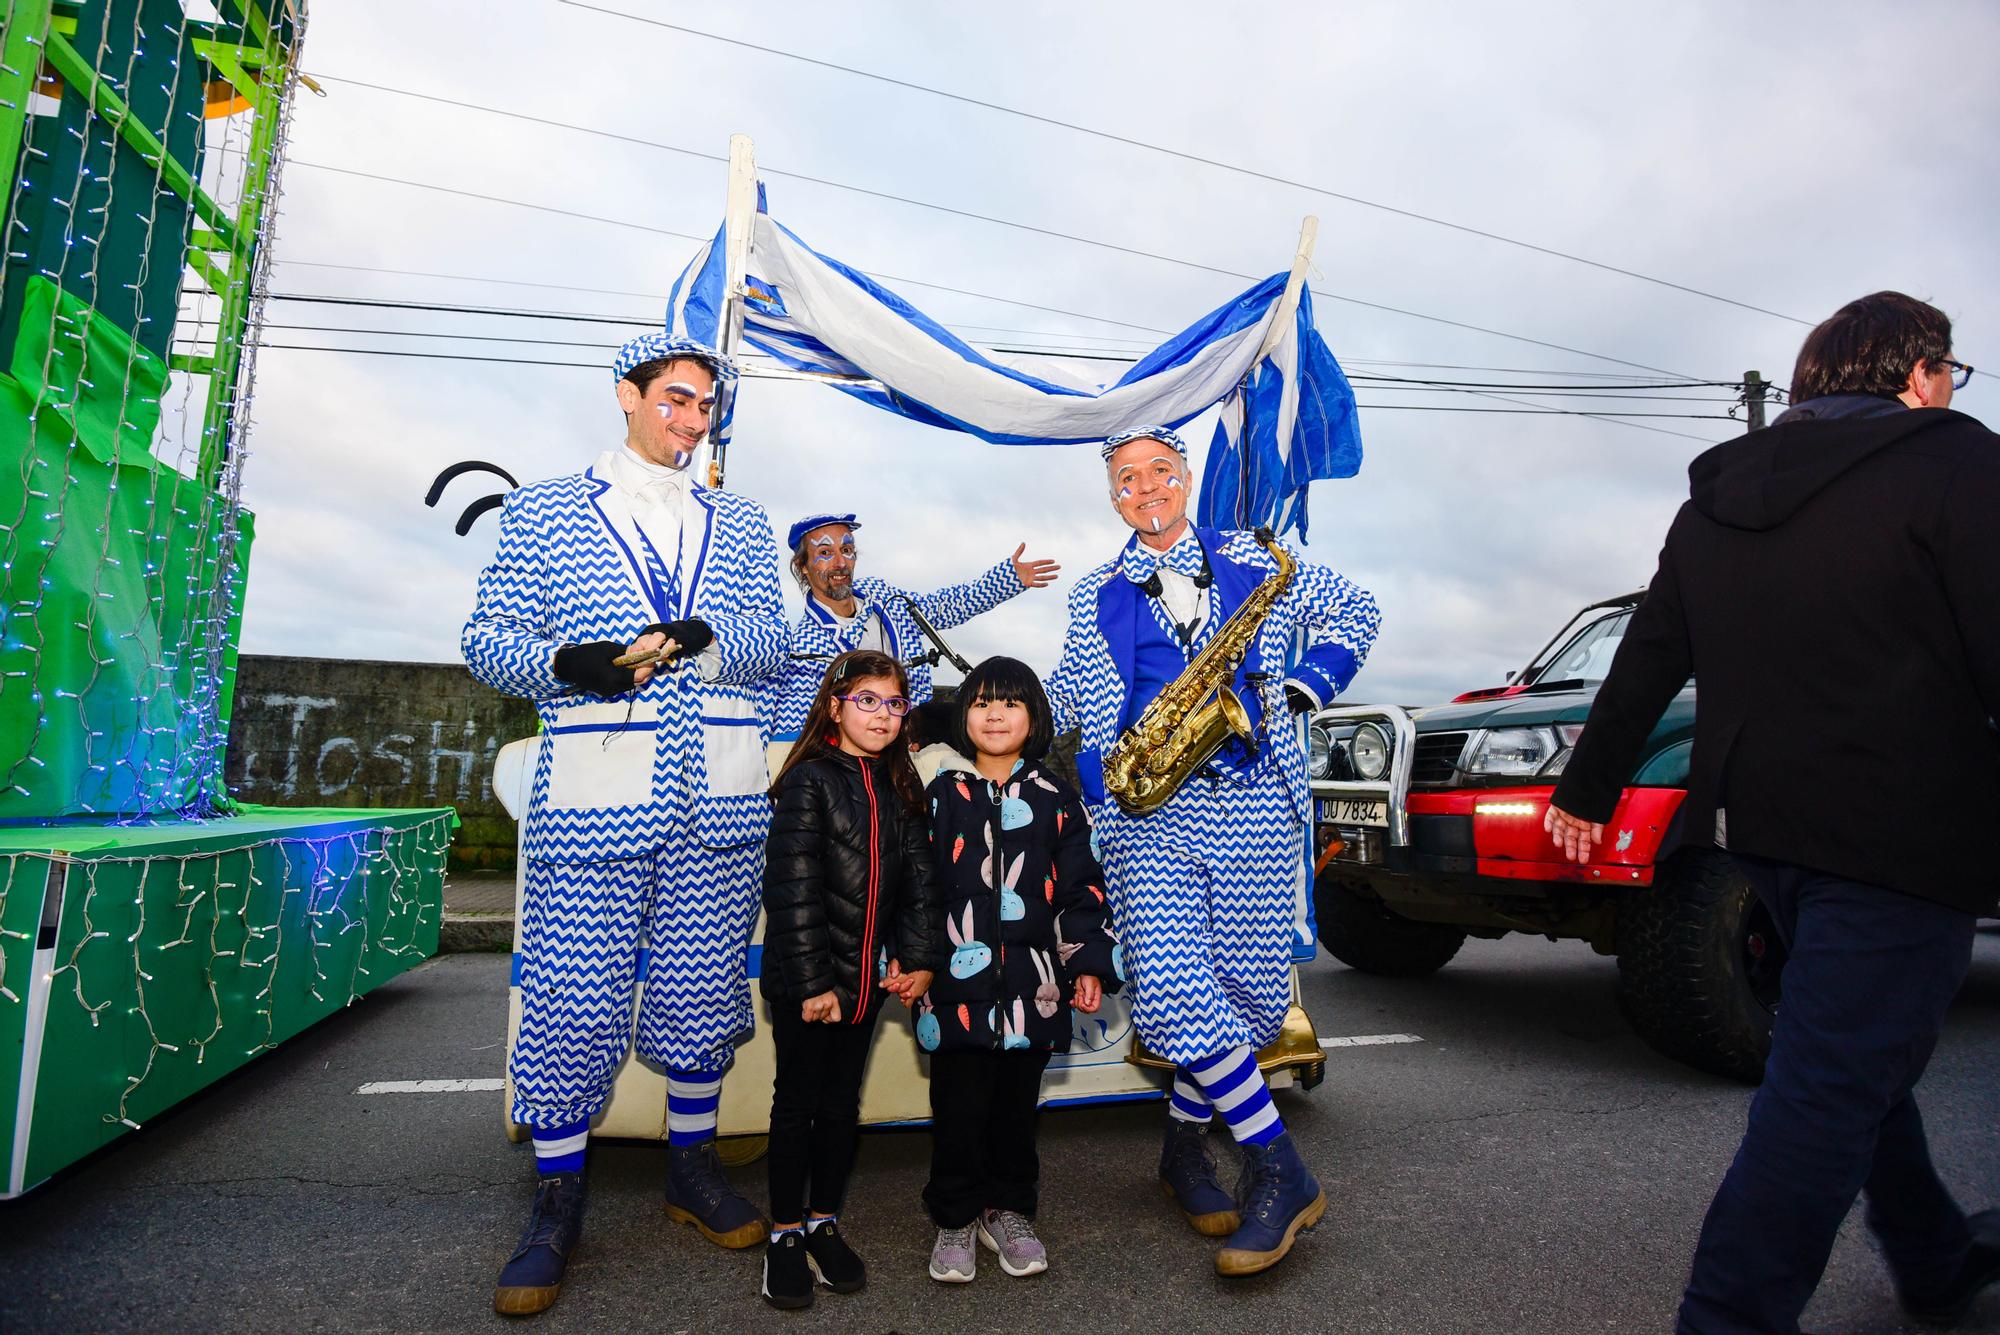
(218, 901)
(161, 753)
(123, 567)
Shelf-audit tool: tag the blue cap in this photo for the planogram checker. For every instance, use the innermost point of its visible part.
(799, 530)
(657, 346)
(1162, 434)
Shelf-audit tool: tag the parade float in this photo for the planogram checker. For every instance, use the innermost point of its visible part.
(1286, 418)
(155, 935)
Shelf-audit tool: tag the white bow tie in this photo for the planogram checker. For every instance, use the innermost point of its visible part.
(661, 491)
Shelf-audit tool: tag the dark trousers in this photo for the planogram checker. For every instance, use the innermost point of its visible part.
(983, 1110)
(815, 1107)
(1870, 976)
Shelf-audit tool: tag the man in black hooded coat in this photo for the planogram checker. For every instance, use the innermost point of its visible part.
(1833, 583)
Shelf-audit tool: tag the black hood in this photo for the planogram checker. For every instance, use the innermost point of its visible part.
(1760, 480)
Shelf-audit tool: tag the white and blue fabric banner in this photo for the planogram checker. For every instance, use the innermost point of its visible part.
(1288, 414)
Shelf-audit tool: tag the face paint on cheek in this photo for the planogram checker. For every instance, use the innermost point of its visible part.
(1124, 493)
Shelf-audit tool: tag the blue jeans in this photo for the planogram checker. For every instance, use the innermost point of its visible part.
(1866, 987)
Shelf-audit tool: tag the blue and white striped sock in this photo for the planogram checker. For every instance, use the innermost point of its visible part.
(559, 1149)
(1236, 1088)
(1188, 1104)
(692, 1097)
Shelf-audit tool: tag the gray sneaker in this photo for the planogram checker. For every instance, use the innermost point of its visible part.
(1012, 1237)
(954, 1259)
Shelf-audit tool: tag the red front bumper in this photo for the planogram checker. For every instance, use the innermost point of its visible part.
(1508, 838)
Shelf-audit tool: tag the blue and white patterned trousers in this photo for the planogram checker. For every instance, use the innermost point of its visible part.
(1201, 892)
(582, 931)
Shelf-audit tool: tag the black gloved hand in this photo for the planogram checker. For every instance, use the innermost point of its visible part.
(1300, 702)
(589, 666)
(690, 636)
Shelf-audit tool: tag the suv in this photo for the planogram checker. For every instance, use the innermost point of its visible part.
(1428, 829)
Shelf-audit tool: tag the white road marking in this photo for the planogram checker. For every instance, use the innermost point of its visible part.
(1369, 1040)
(432, 1087)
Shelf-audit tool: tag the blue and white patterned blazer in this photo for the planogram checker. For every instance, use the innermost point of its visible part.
(682, 756)
(878, 601)
(1315, 639)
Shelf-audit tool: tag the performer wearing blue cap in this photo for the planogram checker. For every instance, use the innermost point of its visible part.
(1201, 887)
(844, 613)
(644, 836)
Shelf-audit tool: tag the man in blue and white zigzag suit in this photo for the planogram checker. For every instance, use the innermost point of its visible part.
(644, 834)
(844, 613)
(1201, 888)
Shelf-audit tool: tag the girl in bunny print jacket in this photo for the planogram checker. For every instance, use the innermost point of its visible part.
(1021, 899)
(1023, 907)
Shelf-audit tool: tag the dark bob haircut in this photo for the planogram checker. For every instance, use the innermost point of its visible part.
(1006, 679)
(1870, 346)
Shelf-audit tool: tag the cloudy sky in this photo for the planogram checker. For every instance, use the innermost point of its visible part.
(1790, 157)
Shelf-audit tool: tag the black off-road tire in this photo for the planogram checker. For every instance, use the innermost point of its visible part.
(1699, 961)
(1359, 932)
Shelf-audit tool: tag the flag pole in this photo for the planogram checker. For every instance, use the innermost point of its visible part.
(1281, 320)
(738, 212)
(1288, 304)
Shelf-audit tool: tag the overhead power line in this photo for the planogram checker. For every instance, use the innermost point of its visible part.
(1113, 355)
(454, 308)
(1251, 172)
(1168, 259)
(1376, 407)
(661, 296)
(467, 278)
(995, 329)
(495, 199)
(619, 222)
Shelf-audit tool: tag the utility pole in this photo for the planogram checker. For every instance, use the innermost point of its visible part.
(1754, 386)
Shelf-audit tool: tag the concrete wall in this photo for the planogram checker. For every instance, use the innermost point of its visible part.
(328, 732)
(332, 732)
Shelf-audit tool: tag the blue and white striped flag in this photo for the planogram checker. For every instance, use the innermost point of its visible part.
(1288, 415)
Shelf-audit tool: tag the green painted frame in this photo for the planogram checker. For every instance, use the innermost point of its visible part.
(223, 254)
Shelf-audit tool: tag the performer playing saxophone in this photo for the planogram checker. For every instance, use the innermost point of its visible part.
(1202, 882)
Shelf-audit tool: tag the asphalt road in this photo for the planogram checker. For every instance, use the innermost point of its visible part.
(1529, 1166)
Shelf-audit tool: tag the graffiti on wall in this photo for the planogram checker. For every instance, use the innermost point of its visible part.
(439, 763)
(309, 732)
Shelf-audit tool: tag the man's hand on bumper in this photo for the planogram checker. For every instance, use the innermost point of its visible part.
(1575, 837)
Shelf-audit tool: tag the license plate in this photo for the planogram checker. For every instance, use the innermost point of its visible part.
(1353, 811)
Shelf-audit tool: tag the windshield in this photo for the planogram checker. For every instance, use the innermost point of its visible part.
(1586, 654)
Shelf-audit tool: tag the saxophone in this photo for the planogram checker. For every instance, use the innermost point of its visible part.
(1193, 717)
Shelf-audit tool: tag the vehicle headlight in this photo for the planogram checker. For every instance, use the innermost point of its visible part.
(1319, 752)
(1514, 752)
(1369, 750)
(1566, 733)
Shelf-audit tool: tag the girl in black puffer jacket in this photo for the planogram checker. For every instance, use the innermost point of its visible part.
(847, 920)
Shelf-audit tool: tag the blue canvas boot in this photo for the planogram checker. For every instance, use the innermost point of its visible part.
(698, 1194)
(533, 1275)
(1280, 1197)
(1187, 1175)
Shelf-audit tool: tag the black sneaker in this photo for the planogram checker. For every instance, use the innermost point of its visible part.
(1981, 1268)
(788, 1275)
(833, 1261)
